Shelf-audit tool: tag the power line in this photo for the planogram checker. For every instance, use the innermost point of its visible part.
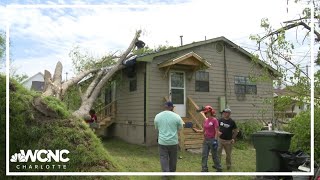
(262, 49)
(304, 56)
(267, 51)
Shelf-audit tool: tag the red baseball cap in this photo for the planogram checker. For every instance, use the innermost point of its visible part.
(208, 109)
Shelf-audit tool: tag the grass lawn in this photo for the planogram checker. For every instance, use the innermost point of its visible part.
(136, 158)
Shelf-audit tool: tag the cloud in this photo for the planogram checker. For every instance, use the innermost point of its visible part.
(53, 32)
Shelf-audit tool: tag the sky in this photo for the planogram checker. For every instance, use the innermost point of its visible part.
(40, 36)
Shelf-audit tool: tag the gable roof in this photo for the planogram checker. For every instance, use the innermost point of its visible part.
(149, 57)
(196, 60)
(32, 77)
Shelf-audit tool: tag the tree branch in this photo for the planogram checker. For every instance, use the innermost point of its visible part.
(299, 19)
(286, 59)
(290, 26)
(75, 80)
(93, 84)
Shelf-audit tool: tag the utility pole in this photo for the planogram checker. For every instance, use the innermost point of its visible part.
(66, 76)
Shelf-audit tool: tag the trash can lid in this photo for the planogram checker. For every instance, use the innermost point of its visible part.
(272, 133)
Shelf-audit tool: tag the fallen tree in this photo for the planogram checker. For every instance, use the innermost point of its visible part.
(55, 87)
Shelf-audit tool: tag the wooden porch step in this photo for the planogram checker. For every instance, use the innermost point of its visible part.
(189, 131)
(193, 142)
(194, 136)
(105, 121)
(107, 124)
(193, 146)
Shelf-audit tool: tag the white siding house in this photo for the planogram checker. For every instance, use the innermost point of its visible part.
(35, 82)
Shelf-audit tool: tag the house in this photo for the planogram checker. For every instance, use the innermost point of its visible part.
(213, 72)
(292, 107)
(35, 82)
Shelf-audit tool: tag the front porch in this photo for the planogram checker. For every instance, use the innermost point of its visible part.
(180, 71)
(188, 138)
(106, 117)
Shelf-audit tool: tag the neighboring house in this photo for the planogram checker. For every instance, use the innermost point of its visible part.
(211, 72)
(35, 82)
(293, 108)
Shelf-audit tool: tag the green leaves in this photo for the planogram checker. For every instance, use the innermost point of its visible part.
(20, 77)
(282, 103)
(249, 127)
(2, 48)
(300, 127)
(148, 50)
(265, 23)
(2, 45)
(82, 60)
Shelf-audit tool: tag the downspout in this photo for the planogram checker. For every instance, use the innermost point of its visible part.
(145, 104)
(225, 74)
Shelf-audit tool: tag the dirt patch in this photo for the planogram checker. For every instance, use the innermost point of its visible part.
(195, 151)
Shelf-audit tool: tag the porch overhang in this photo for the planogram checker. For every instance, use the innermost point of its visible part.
(190, 61)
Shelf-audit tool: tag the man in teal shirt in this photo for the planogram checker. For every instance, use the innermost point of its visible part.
(168, 123)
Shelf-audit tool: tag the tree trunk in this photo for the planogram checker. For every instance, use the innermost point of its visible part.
(48, 90)
(87, 102)
(55, 87)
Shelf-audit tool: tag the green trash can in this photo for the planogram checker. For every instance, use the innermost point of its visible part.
(264, 142)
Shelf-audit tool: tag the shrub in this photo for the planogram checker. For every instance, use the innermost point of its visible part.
(300, 127)
(247, 128)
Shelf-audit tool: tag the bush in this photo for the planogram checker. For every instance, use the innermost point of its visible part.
(247, 128)
(300, 127)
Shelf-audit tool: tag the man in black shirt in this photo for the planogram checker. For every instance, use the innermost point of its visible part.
(229, 131)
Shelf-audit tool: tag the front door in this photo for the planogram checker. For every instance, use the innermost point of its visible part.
(177, 92)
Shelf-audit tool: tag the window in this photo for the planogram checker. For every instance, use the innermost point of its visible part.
(243, 85)
(202, 81)
(37, 85)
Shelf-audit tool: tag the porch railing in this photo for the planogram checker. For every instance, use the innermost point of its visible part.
(197, 117)
(165, 99)
(107, 112)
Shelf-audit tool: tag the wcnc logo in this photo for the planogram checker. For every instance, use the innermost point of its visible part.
(40, 156)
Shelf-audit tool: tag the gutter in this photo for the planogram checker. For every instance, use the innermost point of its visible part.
(145, 104)
(225, 74)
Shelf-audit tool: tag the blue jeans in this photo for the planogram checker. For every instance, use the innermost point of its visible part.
(206, 147)
(168, 157)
